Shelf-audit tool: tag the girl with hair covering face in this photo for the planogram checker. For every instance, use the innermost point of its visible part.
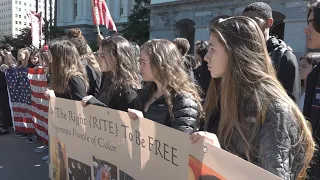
(68, 77)
(90, 63)
(117, 61)
(169, 96)
(249, 112)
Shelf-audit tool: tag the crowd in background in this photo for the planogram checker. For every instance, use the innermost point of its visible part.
(243, 89)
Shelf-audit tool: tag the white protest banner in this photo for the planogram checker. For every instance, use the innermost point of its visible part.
(104, 144)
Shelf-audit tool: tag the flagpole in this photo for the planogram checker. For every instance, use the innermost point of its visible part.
(94, 16)
(98, 29)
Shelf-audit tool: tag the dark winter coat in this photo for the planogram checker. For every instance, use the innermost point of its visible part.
(121, 100)
(76, 89)
(184, 111)
(94, 78)
(312, 113)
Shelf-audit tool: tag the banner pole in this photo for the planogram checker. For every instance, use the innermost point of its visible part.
(94, 17)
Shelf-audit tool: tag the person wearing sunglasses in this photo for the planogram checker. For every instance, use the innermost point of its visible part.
(117, 62)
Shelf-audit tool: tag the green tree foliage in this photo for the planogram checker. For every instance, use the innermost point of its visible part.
(23, 39)
(52, 32)
(6, 39)
(56, 32)
(138, 27)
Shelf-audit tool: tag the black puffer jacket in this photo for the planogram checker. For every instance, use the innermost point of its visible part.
(278, 149)
(184, 111)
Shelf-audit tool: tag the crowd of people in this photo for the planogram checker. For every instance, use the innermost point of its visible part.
(243, 90)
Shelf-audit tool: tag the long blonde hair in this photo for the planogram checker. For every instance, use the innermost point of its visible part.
(248, 88)
(167, 65)
(65, 65)
(27, 54)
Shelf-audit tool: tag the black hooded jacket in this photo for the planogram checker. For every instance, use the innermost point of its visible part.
(286, 66)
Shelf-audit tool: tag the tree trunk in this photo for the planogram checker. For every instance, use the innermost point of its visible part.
(45, 23)
(50, 16)
(55, 12)
(37, 3)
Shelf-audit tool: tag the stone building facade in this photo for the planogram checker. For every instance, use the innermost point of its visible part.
(191, 18)
(78, 14)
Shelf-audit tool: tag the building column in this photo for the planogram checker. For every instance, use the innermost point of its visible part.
(79, 9)
(116, 12)
(87, 10)
(125, 8)
(58, 14)
(62, 13)
(294, 35)
(67, 9)
(201, 33)
(131, 4)
(108, 3)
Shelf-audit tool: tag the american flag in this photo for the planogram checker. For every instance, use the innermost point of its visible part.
(29, 105)
(39, 103)
(20, 96)
(101, 14)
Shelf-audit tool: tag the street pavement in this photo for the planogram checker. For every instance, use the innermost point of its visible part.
(18, 161)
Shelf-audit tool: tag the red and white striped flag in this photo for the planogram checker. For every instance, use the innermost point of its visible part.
(102, 16)
(39, 102)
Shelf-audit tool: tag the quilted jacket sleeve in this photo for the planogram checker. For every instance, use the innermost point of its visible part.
(278, 150)
(185, 114)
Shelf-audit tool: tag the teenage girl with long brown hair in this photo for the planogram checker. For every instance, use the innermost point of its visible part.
(169, 96)
(117, 61)
(68, 76)
(248, 111)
